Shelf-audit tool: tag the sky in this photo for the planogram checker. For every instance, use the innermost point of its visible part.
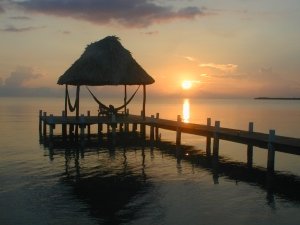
(225, 49)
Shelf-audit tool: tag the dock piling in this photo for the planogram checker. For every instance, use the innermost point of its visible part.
(216, 139)
(44, 124)
(250, 147)
(208, 139)
(271, 151)
(178, 131)
(156, 128)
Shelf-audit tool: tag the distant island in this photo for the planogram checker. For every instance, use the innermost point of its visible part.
(277, 98)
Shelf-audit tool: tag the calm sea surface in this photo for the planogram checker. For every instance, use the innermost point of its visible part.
(135, 183)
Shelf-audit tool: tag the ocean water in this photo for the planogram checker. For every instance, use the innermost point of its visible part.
(134, 182)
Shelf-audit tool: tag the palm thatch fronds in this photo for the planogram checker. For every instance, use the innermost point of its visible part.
(106, 62)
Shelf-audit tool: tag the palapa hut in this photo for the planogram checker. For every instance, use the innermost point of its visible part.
(105, 62)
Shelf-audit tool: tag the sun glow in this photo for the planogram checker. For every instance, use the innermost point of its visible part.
(187, 84)
(186, 111)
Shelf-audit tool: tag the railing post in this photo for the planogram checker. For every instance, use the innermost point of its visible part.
(156, 128)
(40, 122)
(152, 128)
(63, 125)
(142, 126)
(82, 126)
(208, 139)
(271, 151)
(44, 124)
(51, 125)
(250, 147)
(216, 139)
(88, 124)
(178, 130)
(126, 121)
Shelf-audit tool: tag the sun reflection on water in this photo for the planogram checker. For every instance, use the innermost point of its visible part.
(186, 110)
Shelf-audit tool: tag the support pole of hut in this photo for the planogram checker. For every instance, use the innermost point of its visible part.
(208, 139)
(250, 148)
(216, 139)
(144, 101)
(125, 97)
(66, 100)
(77, 108)
(271, 151)
(178, 131)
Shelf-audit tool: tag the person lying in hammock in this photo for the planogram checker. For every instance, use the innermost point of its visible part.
(108, 111)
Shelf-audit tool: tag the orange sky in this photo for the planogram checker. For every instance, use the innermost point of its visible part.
(225, 48)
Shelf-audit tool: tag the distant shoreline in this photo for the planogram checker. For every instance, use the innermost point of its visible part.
(269, 98)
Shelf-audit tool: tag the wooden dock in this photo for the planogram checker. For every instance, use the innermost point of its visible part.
(81, 126)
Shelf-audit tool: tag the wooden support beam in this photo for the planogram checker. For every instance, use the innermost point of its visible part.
(208, 139)
(216, 139)
(156, 128)
(250, 148)
(88, 126)
(152, 129)
(271, 151)
(64, 124)
(178, 131)
(40, 122)
(44, 124)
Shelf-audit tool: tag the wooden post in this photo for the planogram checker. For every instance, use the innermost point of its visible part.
(144, 101)
(66, 99)
(40, 122)
(216, 139)
(88, 125)
(44, 124)
(63, 125)
(126, 123)
(271, 151)
(134, 127)
(113, 124)
(152, 128)
(82, 126)
(125, 97)
(156, 128)
(100, 126)
(178, 131)
(208, 139)
(51, 125)
(142, 126)
(77, 108)
(250, 148)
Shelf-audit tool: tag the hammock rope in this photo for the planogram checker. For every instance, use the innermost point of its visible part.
(101, 105)
(71, 108)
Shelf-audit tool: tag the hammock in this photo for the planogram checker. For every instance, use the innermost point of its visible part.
(71, 108)
(110, 107)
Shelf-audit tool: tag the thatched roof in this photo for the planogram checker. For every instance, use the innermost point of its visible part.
(105, 62)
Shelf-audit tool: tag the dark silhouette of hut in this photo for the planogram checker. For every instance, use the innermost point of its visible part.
(105, 62)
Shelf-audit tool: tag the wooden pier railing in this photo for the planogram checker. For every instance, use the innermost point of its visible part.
(81, 126)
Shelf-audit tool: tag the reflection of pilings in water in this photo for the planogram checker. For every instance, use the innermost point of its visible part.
(283, 184)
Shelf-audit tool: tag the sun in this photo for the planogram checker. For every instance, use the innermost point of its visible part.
(187, 84)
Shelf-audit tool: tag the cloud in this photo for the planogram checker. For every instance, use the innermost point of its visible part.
(20, 17)
(11, 28)
(227, 68)
(129, 13)
(189, 58)
(20, 77)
